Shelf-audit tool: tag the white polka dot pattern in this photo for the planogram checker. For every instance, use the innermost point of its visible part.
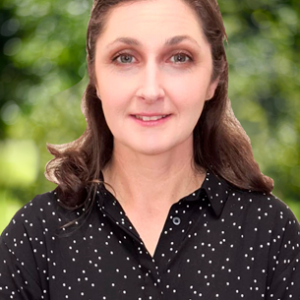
(217, 243)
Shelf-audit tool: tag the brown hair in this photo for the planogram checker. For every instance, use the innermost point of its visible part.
(220, 143)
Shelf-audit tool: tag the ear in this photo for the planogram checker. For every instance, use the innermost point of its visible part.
(211, 89)
(97, 93)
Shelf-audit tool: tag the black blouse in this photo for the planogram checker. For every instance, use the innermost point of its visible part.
(217, 243)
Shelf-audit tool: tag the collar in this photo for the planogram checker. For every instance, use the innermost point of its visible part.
(215, 188)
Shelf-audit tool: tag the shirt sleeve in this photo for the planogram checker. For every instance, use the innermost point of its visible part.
(23, 252)
(15, 280)
(284, 267)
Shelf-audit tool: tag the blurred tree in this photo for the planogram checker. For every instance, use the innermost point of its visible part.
(42, 79)
(263, 52)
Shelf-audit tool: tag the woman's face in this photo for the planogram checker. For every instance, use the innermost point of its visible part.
(152, 60)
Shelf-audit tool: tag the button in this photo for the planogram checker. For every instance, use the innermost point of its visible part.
(176, 220)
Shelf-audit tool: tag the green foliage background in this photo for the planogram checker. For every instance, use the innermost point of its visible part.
(43, 77)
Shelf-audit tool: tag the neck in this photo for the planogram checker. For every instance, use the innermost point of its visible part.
(147, 181)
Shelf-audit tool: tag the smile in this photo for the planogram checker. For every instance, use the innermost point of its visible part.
(150, 121)
(148, 118)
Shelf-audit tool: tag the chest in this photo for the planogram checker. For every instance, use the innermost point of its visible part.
(193, 259)
(149, 227)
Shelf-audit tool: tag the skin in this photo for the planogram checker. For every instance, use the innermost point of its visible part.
(153, 78)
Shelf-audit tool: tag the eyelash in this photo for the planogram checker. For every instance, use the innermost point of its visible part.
(114, 60)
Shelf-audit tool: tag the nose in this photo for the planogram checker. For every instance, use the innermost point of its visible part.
(151, 86)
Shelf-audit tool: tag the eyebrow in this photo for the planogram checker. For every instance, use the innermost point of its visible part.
(169, 42)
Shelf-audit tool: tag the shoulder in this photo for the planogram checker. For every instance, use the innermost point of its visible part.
(264, 206)
(39, 218)
(31, 231)
(272, 231)
(264, 216)
(41, 206)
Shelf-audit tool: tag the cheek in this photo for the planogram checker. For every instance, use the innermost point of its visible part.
(190, 93)
(191, 82)
(189, 105)
(114, 93)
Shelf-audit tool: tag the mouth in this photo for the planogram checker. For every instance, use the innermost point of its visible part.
(150, 118)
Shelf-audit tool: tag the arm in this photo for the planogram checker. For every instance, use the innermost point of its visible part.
(23, 252)
(284, 267)
(16, 282)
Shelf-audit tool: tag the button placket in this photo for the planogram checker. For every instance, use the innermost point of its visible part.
(174, 231)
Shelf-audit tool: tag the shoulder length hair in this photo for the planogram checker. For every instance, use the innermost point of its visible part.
(220, 143)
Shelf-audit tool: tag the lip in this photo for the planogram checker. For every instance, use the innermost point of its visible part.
(144, 114)
(151, 123)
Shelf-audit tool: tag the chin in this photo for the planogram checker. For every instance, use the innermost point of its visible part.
(150, 149)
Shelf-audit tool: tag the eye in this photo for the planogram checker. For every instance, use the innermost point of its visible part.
(181, 58)
(123, 58)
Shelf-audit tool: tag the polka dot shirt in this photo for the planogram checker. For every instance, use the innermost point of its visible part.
(219, 242)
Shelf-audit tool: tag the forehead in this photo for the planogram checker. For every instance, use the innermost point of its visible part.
(151, 21)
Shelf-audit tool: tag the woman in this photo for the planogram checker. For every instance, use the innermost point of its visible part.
(161, 197)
